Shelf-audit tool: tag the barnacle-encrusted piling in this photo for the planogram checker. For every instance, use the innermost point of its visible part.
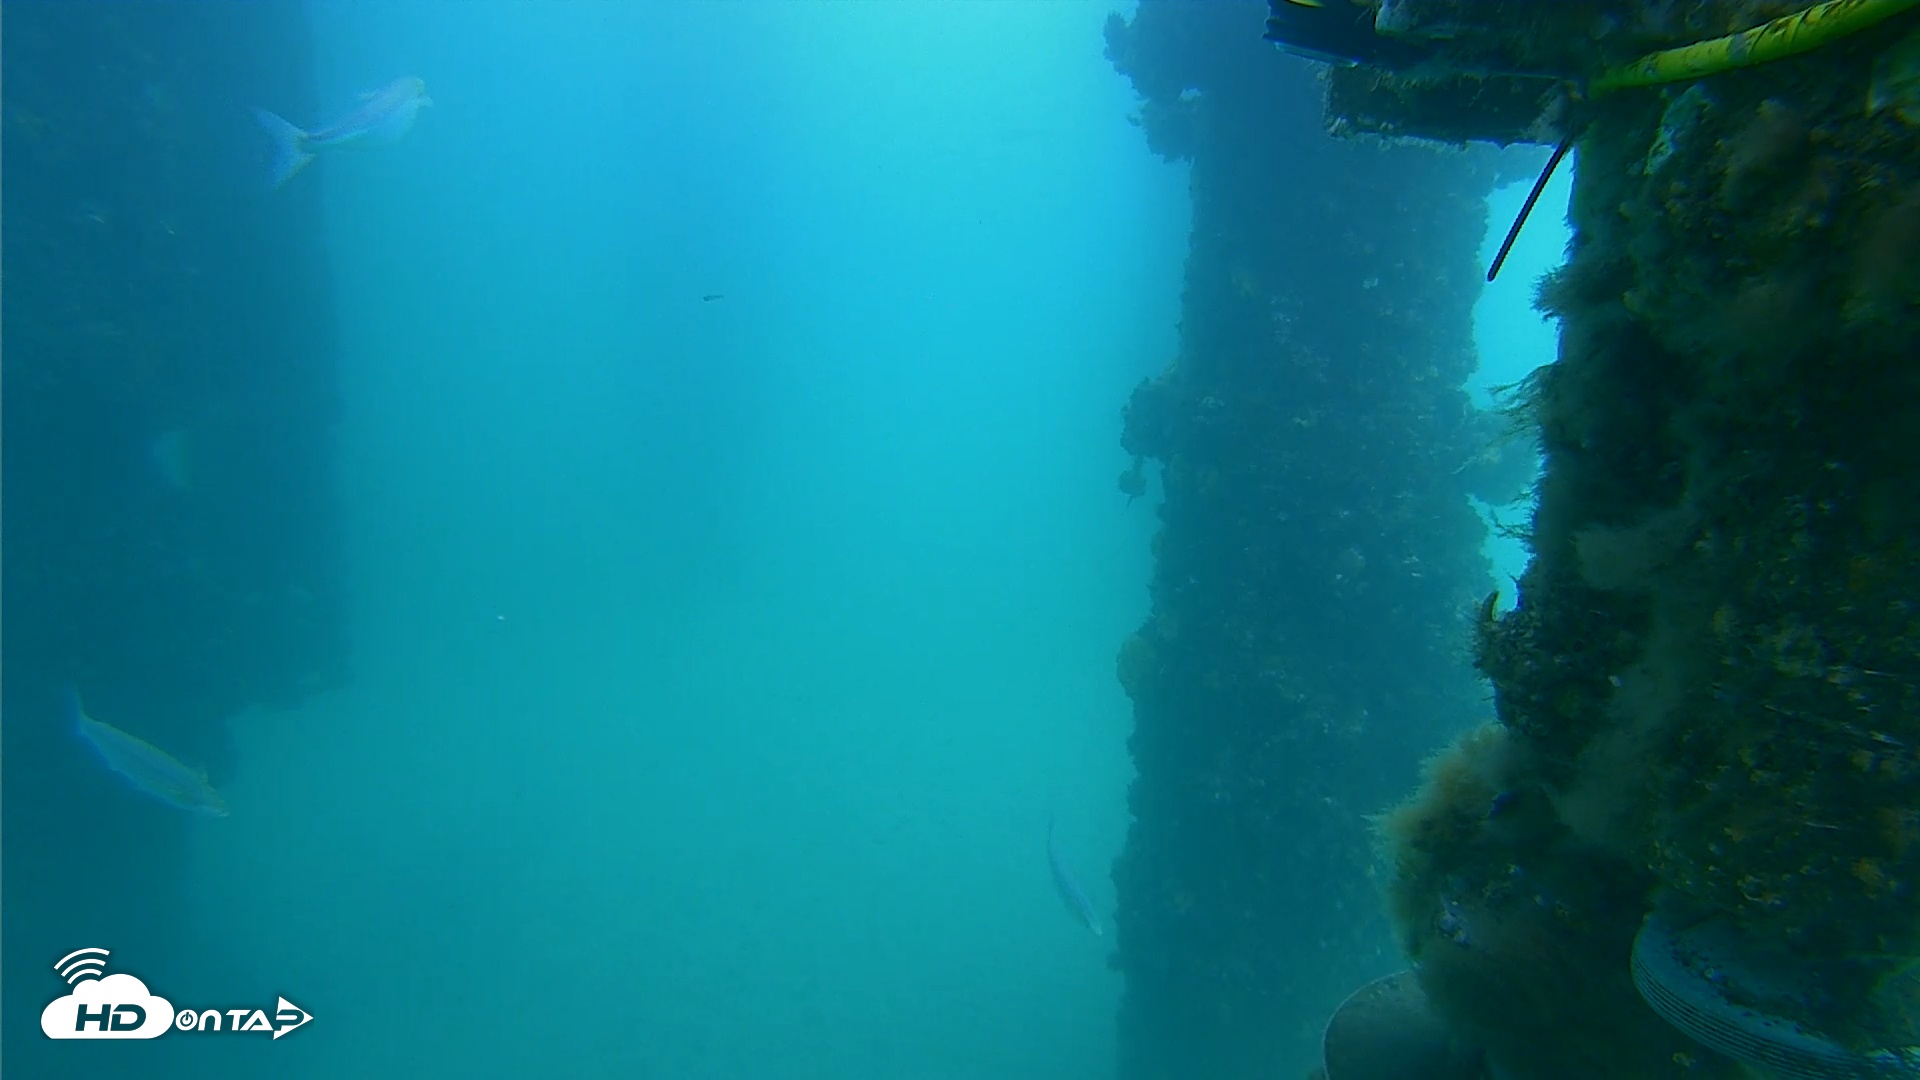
(1318, 560)
(1709, 694)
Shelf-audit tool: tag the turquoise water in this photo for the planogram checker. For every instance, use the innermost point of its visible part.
(730, 408)
(1511, 337)
(717, 662)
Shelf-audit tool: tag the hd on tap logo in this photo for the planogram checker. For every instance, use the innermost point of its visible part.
(119, 1006)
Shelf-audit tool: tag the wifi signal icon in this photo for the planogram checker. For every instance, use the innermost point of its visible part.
(82, 964)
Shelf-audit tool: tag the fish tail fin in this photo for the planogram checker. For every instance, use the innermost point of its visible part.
(290, 153)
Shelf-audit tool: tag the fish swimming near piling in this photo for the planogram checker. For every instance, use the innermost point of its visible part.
(1069, 889)
(150, 770)
(1722, 990)
(384, 115)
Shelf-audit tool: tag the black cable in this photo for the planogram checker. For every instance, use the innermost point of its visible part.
(1533, 196)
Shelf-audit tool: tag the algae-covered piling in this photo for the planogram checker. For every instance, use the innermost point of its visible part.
(1709, 694)
(1318, 556)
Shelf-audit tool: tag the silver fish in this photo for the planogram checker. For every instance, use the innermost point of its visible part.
(148, 768)
(1695, 977)
(1069, 889)
(385, 114)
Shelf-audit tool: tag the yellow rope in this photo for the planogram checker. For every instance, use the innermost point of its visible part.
(1785, 36)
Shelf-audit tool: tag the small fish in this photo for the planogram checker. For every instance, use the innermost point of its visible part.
(385, 114)
(1453, 923)
(1069, 889)
(712, 296)
(147, 767)
(1501, 803)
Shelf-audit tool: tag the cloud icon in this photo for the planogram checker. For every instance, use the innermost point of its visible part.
(116, 1007)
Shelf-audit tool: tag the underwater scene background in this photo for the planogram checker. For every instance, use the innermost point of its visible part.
(640, 559)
